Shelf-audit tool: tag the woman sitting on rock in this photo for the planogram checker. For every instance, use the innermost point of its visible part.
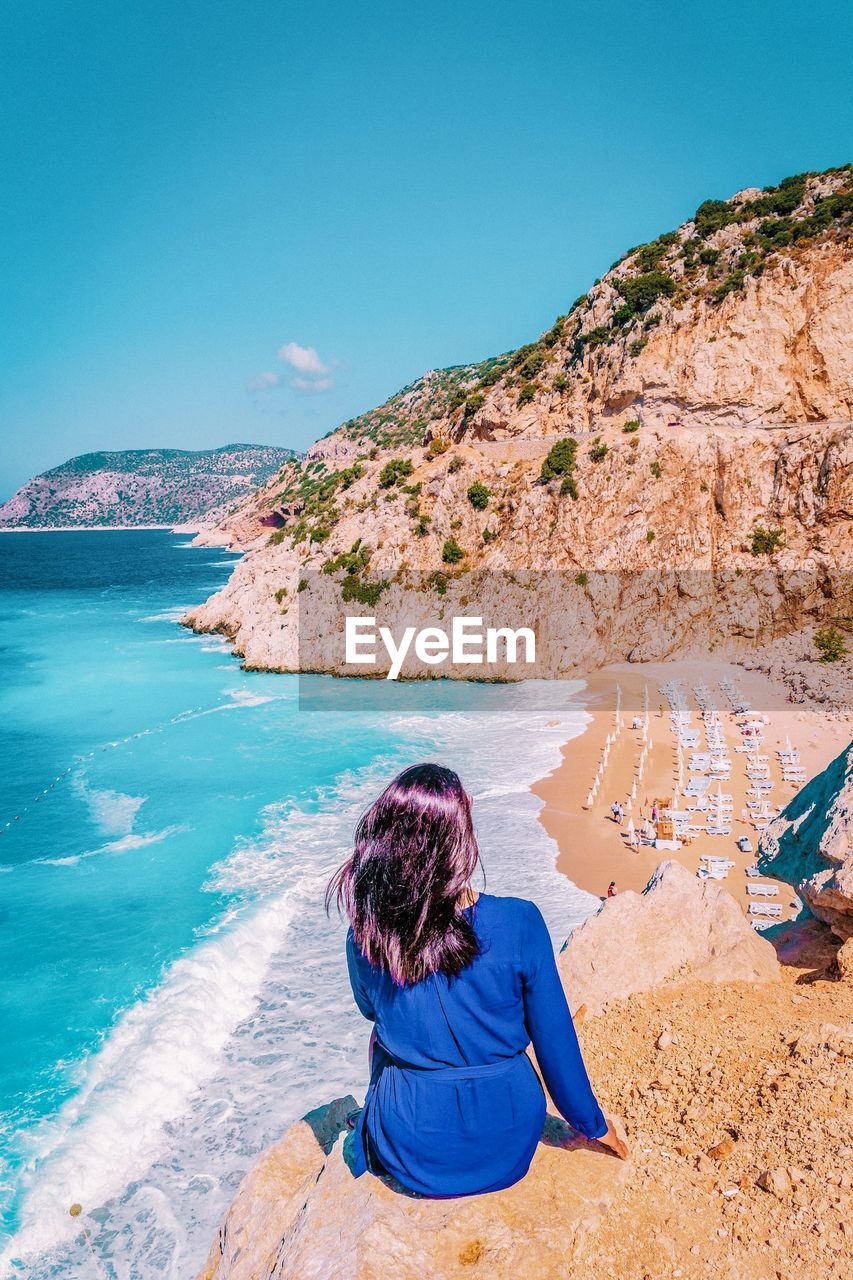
(457, 984)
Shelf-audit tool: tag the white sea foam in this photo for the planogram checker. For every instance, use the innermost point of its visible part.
(156, 1056)
(256, 1025)
(113, 812)
(125, 844)
(168, 615)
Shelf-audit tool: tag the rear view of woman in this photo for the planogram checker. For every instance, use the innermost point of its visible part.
(457, 985)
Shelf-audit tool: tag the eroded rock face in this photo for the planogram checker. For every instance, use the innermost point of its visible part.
(778, 351)
(685, 503)
(810, 845)
(678, 929)
(300, 1215)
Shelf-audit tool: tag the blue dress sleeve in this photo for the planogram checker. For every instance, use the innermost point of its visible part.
(359, 990)
(550, 1027)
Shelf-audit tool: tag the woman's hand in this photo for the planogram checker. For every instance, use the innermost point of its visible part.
(612, 1140)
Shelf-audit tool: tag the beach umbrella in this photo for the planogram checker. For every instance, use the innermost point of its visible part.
(630, 827)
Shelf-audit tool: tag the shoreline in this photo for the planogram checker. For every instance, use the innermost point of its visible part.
(593, 849)
(101, 528)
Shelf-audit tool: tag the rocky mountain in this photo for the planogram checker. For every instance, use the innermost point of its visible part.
(143, 487)
(672, 459)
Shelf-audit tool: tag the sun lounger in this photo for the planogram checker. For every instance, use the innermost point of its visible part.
(773, 909)
(753, 871)
(763, 890)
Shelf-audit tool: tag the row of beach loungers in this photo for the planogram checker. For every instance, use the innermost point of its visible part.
(713, 763)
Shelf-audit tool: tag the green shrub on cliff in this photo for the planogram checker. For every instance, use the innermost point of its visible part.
(394, 471)
(829, 643)
(451, 552)
(712, 215)
(641, 292)
(366, 593)
(765, 541)
(560, 459)
(478, 495)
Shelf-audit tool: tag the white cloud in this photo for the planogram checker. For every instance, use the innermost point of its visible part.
(304, 360)
(310, 386)
(308, 375)
(263, 381)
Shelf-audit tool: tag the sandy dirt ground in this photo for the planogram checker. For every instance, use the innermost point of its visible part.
(738, 1105)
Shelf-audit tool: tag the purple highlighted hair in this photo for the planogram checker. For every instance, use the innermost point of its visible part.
(415, 853)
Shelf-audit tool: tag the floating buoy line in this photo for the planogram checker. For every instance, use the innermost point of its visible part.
(9, 823)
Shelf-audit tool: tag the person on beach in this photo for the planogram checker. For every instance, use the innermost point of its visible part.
(611, 889)
(457, 984)
(617, 811)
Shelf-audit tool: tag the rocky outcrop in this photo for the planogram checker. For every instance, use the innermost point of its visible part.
(300, 1214)
(654, 557)
(810, 845)
(677, 930)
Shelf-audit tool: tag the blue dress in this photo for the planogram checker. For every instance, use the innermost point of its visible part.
(454, 1106)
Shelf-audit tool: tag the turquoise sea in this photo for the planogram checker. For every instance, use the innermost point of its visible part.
(172, 993)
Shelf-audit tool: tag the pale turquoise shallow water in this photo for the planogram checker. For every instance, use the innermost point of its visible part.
(172, 994)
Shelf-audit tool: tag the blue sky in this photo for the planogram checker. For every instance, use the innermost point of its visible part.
(251, 221)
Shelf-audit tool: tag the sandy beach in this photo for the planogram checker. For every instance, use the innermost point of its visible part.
(593, 849)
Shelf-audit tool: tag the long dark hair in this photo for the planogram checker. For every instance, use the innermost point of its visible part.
(415, 853)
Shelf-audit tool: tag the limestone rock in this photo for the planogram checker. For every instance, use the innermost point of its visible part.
(810, 845)
(679, 928)
(844, 960)
(776, 1181)
(300, 1215)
